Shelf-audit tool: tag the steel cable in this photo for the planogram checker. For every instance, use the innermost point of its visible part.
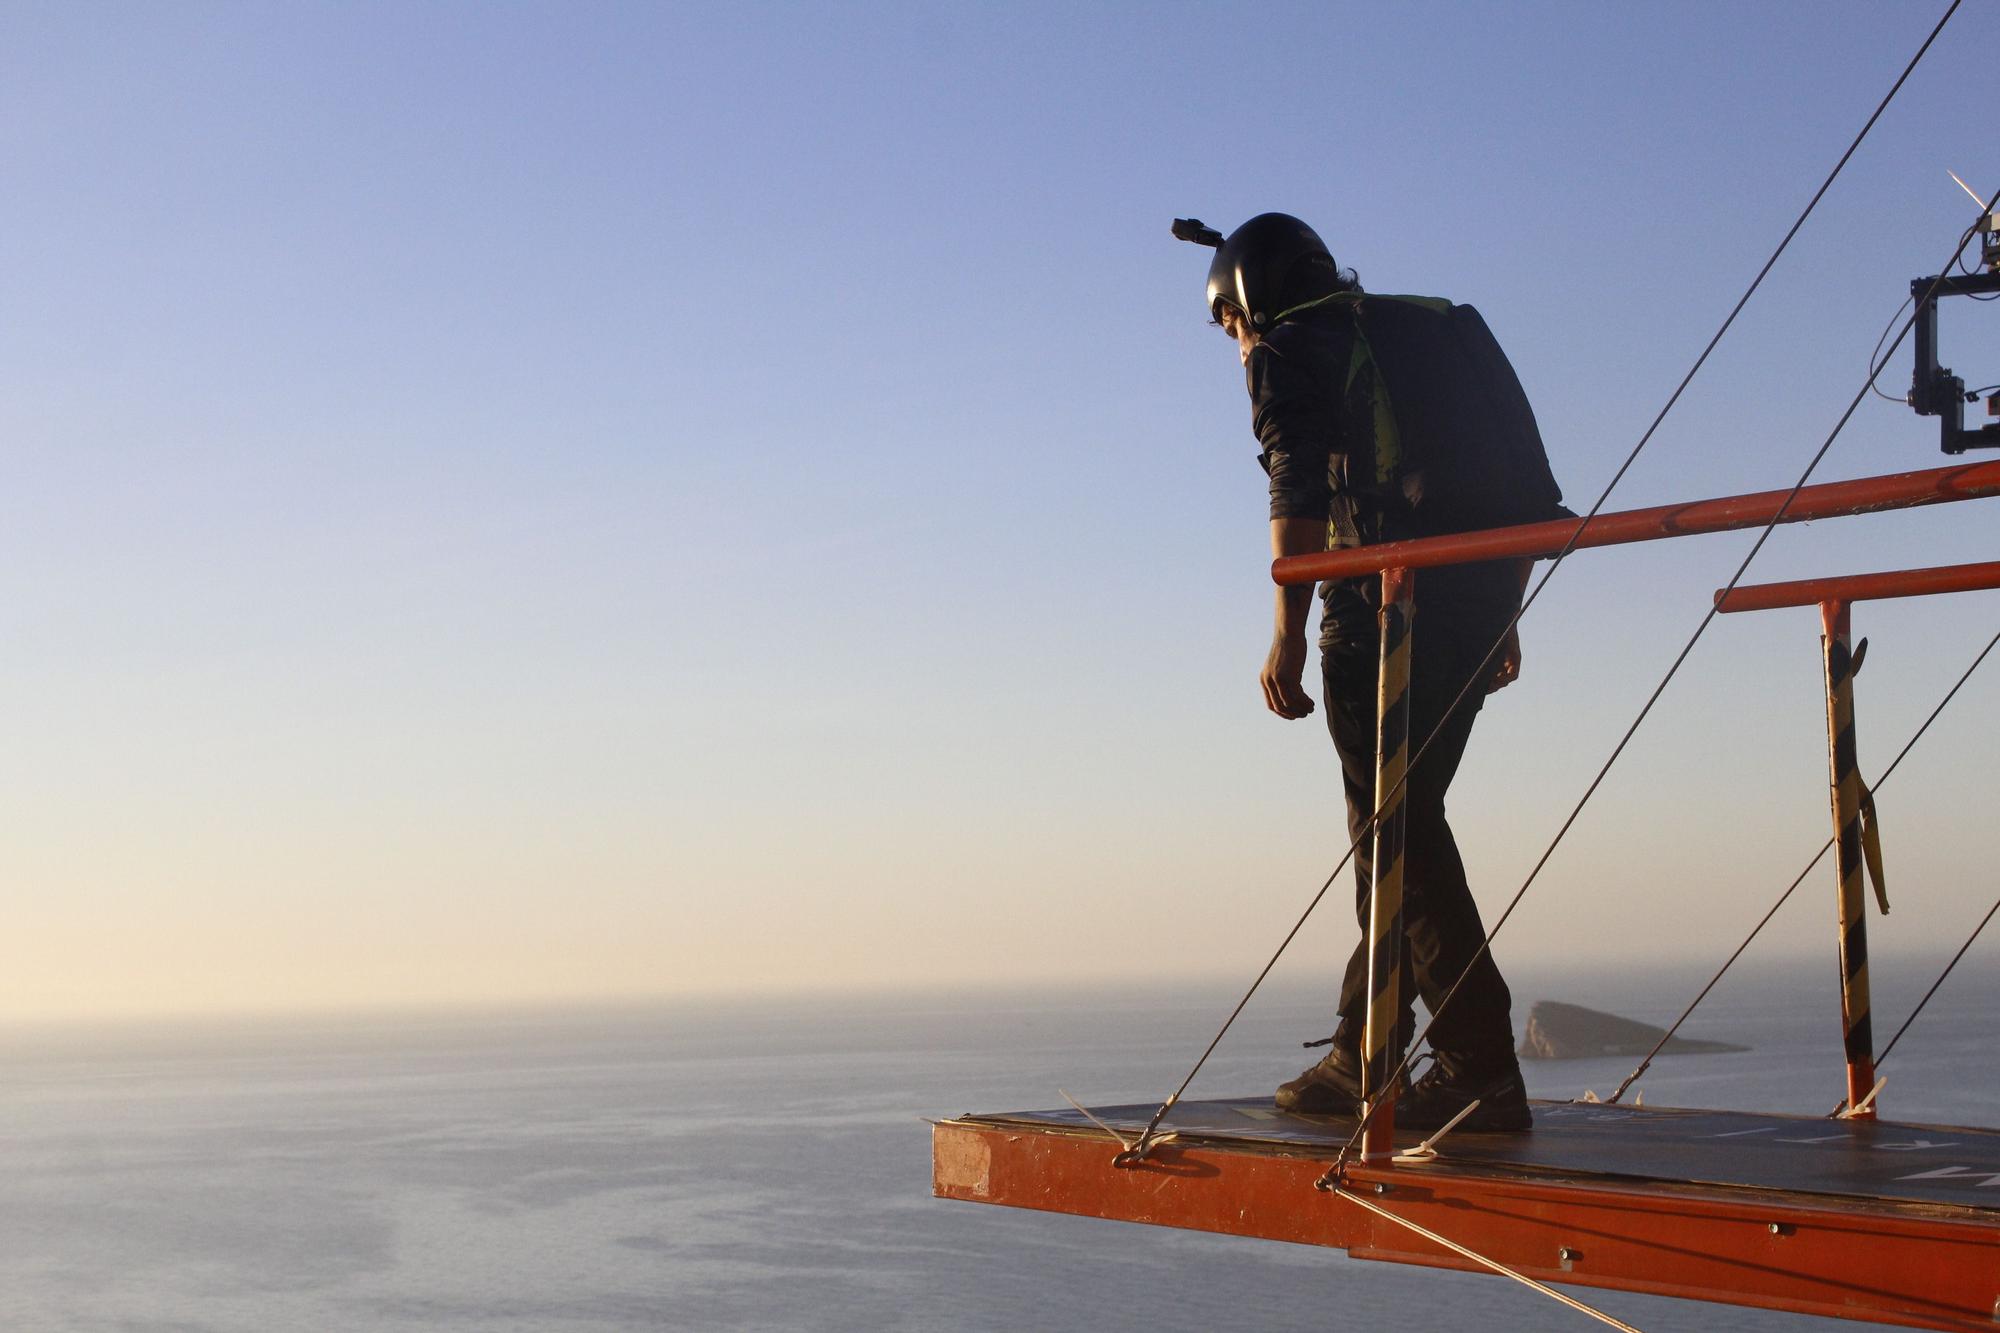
(1935, 984)
(1483, 1261)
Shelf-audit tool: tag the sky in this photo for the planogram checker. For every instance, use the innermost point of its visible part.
(509, 503)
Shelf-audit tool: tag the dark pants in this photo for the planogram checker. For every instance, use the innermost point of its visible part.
(1442, 932)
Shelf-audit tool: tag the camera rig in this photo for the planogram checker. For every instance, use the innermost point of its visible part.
(1934, 390)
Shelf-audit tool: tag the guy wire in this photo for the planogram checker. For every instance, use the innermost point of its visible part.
(1939, 982)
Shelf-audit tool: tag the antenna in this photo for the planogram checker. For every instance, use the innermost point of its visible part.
(1988, 227)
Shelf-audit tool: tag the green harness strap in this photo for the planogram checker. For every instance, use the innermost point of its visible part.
(1388, 437)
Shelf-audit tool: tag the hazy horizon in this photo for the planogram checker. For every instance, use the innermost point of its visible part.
(1682, 975)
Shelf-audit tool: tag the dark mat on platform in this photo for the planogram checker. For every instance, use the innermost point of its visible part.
(1926, 1164)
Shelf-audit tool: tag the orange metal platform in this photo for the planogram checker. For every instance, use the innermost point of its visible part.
(1877, 1221)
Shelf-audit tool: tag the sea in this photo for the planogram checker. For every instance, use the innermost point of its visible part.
(765, 1164)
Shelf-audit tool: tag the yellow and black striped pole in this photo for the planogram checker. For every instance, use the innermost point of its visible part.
(1846, 794)
(1381, 1044)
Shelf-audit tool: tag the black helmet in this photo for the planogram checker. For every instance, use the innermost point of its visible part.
(1270, 264)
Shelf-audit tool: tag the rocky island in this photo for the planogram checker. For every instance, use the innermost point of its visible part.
(1557, 1031)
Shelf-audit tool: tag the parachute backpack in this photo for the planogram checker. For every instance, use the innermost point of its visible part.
(1461, 418)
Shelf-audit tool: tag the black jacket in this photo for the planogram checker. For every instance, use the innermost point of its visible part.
(1317, 412)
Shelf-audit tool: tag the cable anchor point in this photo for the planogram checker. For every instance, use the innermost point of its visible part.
(1427, 1150)
(1335, 1179)
(1860, 1108)
(1132, 1151)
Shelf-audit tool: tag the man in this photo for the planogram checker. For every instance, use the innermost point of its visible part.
(1352, 463)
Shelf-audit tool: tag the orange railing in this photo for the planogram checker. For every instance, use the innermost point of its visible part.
(1862, 587)
(1833, 499)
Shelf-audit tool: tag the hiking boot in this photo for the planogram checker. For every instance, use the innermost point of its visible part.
(1331, 1087)
(1454, 1082)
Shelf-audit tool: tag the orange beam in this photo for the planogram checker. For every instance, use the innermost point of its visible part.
(1849, 1259)
(1861, 587)
(1833, 499)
